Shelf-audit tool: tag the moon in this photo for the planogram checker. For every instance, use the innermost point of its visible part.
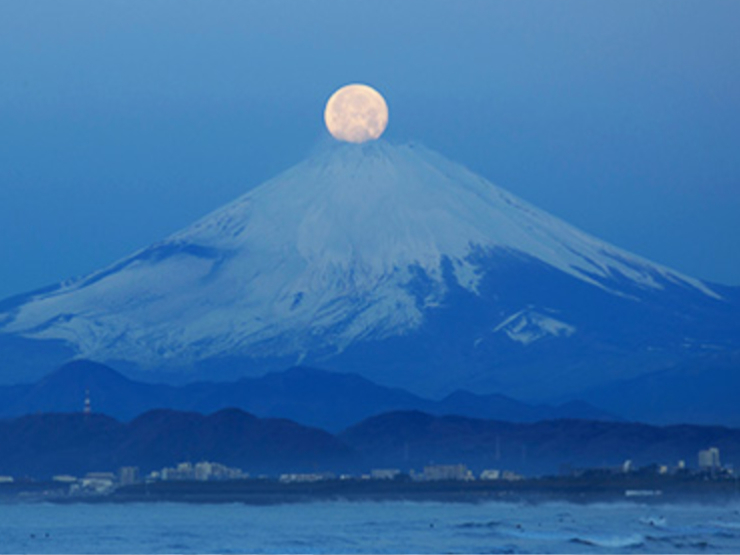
(356, 113)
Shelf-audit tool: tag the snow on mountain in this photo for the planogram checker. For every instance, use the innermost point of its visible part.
(527, 326)
(322, 256)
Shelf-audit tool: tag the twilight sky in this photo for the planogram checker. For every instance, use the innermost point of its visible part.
(123, 121)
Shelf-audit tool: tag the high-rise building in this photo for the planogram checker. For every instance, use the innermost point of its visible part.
(128, 475)
(709, 459)
(438, 472)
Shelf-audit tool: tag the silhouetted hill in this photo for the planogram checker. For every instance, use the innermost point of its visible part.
(701, 391)
(64, 391)
(501, 407)
(47, 444)
(413, 439)
(235, 438)
(328, 400)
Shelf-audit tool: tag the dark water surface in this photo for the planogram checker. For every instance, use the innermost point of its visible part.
(377, 527)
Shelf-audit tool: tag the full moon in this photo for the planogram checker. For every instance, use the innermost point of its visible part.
(356, 113)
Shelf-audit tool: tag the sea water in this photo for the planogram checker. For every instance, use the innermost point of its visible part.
(370, 527)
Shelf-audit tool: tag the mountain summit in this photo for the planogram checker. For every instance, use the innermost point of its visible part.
(389, 261)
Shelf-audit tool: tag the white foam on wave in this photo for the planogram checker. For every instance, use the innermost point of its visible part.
(631, 540)
(654, 521)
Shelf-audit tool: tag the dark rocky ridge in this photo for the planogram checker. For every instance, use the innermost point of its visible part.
(329, 400)
(412, 439)
(40, 446)
(43, 445)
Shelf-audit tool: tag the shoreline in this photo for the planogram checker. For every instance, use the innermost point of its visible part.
(272, 492)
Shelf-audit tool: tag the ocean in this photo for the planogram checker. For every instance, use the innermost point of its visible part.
(370, 527)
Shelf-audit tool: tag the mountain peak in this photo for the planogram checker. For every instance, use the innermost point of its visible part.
(357, 244)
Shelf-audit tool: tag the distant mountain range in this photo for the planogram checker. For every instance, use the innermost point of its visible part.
(42, 445)
(328, 400)
(412, 439)
(703, 390)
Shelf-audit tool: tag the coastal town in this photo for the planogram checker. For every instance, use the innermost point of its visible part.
(206, 480)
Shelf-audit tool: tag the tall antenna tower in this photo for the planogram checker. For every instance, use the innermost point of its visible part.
(88, 407)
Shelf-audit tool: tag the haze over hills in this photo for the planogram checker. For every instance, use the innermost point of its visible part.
(43, 445)
(390, 262)
(413, 439)
(701, 391)
(328, 400)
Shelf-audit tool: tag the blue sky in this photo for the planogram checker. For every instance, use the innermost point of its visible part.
(123, 121)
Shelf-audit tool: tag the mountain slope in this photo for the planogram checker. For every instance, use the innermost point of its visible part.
(700, 391)
(391, 262)
(414, 439)
(41, 446)
(328, 400)
(48, 444)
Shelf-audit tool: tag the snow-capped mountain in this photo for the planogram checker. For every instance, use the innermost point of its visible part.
(390, 261)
